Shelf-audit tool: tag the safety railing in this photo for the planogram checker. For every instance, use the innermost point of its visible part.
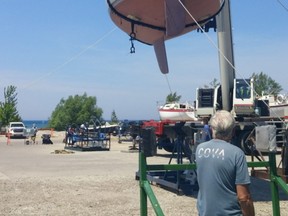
(146, 191)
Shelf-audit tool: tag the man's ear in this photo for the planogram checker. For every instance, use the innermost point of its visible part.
(233, 132)
(211, 130)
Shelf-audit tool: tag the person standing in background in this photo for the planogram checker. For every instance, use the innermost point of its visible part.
(34, 131)
(206, 131)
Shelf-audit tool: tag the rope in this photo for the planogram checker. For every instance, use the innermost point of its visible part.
(187, 25)
(70, 60)
(222, 54)
(209, 38)
(168, 83)
(282, 5)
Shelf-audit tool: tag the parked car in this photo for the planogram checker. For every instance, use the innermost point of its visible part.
(16, 129)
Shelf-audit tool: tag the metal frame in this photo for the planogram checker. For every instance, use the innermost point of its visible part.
(146, 190)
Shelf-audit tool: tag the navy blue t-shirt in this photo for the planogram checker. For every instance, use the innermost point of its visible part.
(220, 167)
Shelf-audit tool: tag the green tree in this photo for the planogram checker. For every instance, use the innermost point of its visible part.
(212, 84)
(114, 118)
(264, 83)
(8, 108)
(75, 110)
(173, 97)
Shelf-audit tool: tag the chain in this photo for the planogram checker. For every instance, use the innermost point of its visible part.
(132, 38)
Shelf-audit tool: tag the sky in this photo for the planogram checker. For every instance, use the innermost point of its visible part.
(53, 49)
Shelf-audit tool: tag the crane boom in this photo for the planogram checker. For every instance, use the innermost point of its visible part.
(226, 56)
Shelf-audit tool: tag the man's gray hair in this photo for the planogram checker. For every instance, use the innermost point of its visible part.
(222, 124)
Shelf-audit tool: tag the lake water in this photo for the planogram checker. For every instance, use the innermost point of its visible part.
(39, 123)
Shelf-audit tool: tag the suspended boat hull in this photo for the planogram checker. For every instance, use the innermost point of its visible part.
(161, 19)
(154, 21)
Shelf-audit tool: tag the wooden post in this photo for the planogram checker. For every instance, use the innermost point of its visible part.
(51, 131)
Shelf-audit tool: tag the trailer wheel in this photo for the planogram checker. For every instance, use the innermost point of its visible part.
(166, 144)
(247, 141)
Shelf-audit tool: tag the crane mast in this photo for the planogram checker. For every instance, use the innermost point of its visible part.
(226, 56)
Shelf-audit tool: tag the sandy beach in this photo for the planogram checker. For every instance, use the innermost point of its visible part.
(36, 181)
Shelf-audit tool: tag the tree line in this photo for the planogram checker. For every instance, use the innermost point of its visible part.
(73, 111)
(83, 109)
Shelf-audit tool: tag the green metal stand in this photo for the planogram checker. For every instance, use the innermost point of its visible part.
(146, 190)
(273, 183)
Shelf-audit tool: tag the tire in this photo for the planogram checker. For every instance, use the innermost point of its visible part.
(247, 145)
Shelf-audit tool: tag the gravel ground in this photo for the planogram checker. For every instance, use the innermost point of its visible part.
(36, 181)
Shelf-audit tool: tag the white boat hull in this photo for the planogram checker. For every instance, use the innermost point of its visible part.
(278, 106)
(177, 115)
(279, 111)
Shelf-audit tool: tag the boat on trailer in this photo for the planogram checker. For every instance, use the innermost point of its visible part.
(177, 112)
(278, 105)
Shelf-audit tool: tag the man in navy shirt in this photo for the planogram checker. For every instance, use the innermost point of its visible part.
(222, 172)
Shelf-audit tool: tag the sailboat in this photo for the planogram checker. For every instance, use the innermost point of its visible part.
(177, 112)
